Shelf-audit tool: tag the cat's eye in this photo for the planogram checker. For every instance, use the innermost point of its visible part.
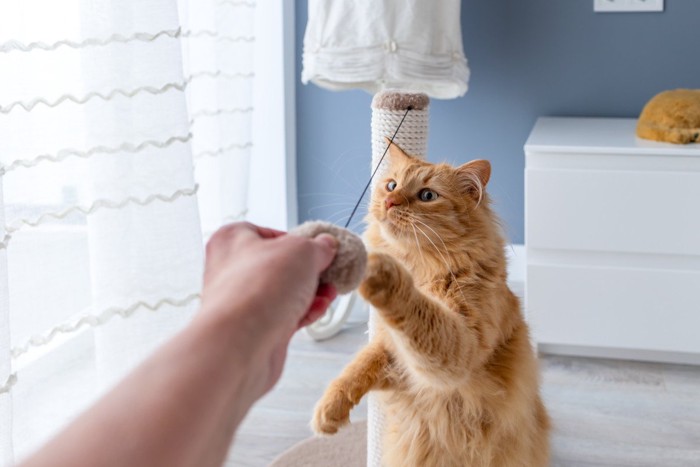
(427, 195)
(391, 186)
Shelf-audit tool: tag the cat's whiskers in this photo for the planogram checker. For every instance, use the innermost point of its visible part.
(416, 220)
(447, 265)
(329, 205)
(433, 231)
(336, 216)
(325, 194)
(444, 260)
(420, 250)
(353, 227)
(436, 234)
(399, 220)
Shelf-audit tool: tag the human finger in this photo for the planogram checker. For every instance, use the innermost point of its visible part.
(225, 233)
(325, 295)
(267, 232)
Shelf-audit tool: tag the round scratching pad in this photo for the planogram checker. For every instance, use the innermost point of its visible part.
(347, 448)
(348, 267)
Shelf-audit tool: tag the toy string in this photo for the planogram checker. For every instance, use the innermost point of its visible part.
(391, 140)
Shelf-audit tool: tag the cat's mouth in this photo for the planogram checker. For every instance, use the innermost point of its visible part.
(395, 221)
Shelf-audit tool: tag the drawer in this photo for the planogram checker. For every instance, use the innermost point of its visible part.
(619, 308)
(613, 211)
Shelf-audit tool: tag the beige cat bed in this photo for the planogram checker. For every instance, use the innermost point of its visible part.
(672, 116)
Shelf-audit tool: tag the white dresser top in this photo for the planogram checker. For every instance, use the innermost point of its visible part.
(598, 136)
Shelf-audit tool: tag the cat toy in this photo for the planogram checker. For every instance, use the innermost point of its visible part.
(348, 267)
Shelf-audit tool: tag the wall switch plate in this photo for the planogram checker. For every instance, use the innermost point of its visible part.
(621, 6)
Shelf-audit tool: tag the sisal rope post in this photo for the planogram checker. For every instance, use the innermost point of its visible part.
(388, 110)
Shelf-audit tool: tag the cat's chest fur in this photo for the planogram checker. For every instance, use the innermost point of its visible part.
(441, 426)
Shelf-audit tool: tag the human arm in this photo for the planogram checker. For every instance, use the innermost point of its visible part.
(182, 405)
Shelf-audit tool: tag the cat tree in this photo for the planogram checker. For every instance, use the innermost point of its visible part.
(388, 109)
(409, 45)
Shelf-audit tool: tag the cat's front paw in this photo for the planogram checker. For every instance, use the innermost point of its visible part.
(331, 413)
(385, 280)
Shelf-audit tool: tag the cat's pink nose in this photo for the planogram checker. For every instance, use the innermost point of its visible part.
(391, 202)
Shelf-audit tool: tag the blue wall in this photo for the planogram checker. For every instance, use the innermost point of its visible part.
(527, 58)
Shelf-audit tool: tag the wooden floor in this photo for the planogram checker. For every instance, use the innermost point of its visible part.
(606, 413)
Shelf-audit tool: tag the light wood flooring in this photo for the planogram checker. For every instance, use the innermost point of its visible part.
(605, 412)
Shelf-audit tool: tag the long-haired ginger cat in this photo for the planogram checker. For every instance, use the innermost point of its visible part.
(451, 358)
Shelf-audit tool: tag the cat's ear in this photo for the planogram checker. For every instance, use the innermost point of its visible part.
(473, 177)
(396, 154)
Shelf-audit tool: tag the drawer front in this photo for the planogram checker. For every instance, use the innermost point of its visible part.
(648, 309)
(614, 211)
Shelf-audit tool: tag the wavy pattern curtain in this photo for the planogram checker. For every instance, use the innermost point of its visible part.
(125, 138)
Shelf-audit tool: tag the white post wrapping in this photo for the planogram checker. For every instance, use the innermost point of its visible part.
(388, 108)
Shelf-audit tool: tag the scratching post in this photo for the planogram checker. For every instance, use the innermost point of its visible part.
(388, 108)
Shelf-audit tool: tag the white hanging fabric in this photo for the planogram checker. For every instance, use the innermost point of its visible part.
(409, 45)
(124, 137)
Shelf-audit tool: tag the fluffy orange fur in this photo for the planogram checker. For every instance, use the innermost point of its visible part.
(672, 116)
(451, 358)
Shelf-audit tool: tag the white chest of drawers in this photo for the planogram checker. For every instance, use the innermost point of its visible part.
(612, 230)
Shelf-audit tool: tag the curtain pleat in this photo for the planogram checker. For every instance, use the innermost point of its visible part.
(125, 141)
(7, 377)
(218, 49)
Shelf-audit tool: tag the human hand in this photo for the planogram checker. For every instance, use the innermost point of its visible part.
(265, 285)
(190, 395)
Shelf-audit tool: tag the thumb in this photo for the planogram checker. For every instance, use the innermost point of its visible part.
(327, 249)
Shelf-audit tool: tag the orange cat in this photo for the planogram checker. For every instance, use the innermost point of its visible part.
(451, 358)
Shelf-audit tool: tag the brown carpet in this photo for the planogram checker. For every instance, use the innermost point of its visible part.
(347, 448)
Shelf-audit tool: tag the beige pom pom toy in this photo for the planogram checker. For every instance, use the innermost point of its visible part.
(348, 267)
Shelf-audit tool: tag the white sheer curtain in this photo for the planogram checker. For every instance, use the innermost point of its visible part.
(125, 137)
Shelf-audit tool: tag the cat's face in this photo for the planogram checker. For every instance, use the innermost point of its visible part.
(423, 203)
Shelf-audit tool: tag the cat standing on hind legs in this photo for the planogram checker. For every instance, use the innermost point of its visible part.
(451, 358)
